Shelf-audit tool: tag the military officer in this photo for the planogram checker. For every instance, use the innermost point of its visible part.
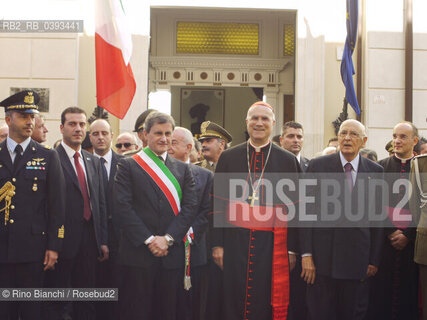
(214, 139)
(32, 189)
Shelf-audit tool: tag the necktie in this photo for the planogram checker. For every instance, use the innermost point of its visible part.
(83, 187)
(348, 167)
(18, 152)
(161, 158)
(104, 171)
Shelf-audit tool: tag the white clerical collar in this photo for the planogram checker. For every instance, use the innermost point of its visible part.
(11, 144)
(403, 160)
(258, 149)
(108, 156)
(354, 162)
(70, 151)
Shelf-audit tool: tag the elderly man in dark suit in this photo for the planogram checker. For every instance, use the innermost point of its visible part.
(155, 201)
(340, 256)
(85, 215)
(32, 191)
(108, 275)
(194, 300)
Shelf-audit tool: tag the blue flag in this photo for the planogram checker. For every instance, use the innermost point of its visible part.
(347, 68)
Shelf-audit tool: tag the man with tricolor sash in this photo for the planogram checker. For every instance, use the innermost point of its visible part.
(250, 234)
(155, 199)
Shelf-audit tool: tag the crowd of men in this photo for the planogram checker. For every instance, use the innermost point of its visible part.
(158, 219)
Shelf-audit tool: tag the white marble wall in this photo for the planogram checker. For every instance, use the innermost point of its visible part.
(41, 61)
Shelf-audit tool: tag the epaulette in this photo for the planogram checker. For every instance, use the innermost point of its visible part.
(198, 163)
(46, 146)
(421, 155)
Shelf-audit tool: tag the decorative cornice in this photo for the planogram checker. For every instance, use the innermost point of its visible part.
(220, 63)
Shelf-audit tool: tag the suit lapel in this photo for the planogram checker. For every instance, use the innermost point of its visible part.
(66, 164)
(5, 155)
(113, 169)
(90, 170)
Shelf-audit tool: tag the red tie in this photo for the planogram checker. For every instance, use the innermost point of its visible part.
(83, 187)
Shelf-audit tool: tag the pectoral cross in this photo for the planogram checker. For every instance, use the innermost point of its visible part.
(253, 198)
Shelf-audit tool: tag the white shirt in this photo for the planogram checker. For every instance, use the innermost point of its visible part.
(299, 157)
(108, 158)
(11, 145)
(164, 155)
(70, 153)
(354, 163)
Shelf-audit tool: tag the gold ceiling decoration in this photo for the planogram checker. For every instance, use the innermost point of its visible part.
(289, 40)
(217, 38)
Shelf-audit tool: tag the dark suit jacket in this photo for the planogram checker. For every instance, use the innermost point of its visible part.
(339, 251)
(74, 203)
(203, 179)
(304, 163)
(143, 210)
(112, 230)
(37, 208)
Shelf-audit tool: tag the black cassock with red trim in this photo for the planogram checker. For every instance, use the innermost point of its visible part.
(256, 269)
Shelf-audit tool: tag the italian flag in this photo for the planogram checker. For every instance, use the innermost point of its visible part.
(115, 84)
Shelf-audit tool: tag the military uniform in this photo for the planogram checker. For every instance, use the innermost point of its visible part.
(32, 189)
(210, 130)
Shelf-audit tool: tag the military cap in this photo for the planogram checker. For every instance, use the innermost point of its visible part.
(24, 101)
(210, 129)
(139, 123)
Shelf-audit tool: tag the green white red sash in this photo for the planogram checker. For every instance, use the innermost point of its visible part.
(162, 176)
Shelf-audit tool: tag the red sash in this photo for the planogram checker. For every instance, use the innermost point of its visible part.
(244, 216)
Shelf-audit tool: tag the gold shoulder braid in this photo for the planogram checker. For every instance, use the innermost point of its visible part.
(6, 193)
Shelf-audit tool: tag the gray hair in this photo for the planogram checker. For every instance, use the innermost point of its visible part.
(157, 118)
(358, 123)
(370, 154)
(188, 136)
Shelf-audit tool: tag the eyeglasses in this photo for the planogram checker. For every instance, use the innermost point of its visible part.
(126, 145)
(352, 134)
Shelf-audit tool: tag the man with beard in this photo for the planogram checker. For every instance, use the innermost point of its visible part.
(253, 255)
(395, 288)
(214, 139)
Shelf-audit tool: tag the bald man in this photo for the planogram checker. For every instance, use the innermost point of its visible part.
(395, 289)
(126, 142)
(108, 275)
